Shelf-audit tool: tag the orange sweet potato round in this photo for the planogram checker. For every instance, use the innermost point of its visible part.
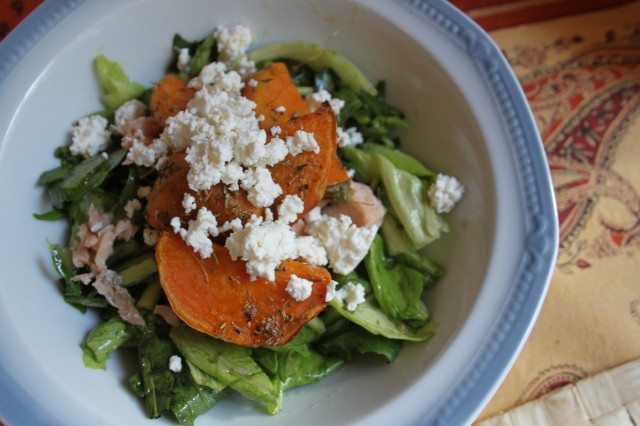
(275, 95)
(216, 296)
(306, 174)
(169, 97)
(165, 199)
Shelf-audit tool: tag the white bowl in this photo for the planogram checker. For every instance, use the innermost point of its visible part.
(468, 118)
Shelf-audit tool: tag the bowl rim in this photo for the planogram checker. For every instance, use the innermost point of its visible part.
(502, 346)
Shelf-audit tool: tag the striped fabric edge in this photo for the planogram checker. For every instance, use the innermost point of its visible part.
(497, 14)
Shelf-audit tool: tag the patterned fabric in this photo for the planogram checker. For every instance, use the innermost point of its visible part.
(496, 14)
(581, 76)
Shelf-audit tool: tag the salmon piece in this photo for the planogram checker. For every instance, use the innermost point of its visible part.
(142, 129)
(364, 208)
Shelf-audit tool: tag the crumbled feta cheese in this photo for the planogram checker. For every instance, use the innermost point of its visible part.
(189, 203)
(143, 191)
(310, 249)
(199, 230)
(345, 243)
(184, 60)
(262, 191)
(146, 155)
(244, 66)
(299, 288)
(275, 130)
(130, 110)
(352, 295)
(290, 208)
(175, 363)
(177, 227)
(316, 99)
(349, 137)
(263, 244)
(214, 76)
(131, 207)
(302, 141)
(232, 41)
(331, 291)
(258, 152)
(105, 155)
(90, 136)
(232, 225)
(253, 83)
(444, 193)
(150, 236)
(280, 109)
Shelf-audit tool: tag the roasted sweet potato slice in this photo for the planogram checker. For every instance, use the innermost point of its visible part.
(215, 295)
(337, 172)
(169, 97)
(275, 95)
(165, 198)
(306, 174)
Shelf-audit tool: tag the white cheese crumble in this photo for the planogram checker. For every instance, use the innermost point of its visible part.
(145, 155)
(275, 130)
(90, 136)
(232, 41)
(444, 193)
(175, 363)
(299, 288)
(184, 60)
(263, 244)
(262, 191)
(150, 236)
(331, 291)
(189, 203)
(345, 243)
(290, 208)
(351, 294)
(280, 109)
(198, 232)
(131, 207)
(130, 110)
(302, 141)
(253, 83)
(349, 137)
(314, 100)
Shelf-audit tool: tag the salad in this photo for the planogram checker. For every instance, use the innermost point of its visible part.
(246, 225)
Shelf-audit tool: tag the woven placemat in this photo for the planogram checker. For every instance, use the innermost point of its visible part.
(608, 398)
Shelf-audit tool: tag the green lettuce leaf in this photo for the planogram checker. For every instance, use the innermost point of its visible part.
(116, 86)
(103, 340)
(230, 364)
(397, 287)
